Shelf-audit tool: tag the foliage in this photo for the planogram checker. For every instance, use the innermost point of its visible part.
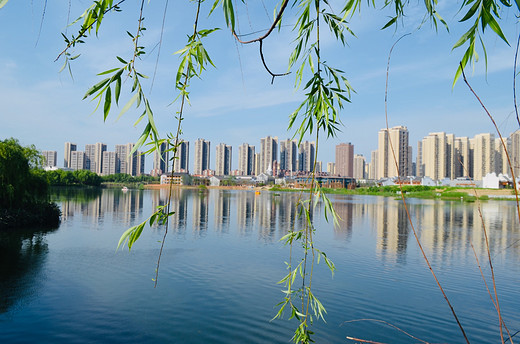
(24, 188)
(73, 178)
(21, 183)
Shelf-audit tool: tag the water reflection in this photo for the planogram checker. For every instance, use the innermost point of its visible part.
(443, 227)
(22, 256)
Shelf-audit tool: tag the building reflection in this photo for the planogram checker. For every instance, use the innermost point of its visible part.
(444, 228)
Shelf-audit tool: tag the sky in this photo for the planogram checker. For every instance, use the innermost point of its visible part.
(235, 102)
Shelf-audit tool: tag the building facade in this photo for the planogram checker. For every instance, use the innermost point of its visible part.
(202, 156)
(345, 159)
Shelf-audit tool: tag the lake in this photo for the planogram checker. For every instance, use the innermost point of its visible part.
(222, 259)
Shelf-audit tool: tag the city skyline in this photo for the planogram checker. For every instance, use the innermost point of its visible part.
(439, 156)
(44, 108)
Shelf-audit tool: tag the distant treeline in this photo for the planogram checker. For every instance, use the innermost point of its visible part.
(88, 178)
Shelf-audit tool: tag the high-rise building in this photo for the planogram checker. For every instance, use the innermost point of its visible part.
(359, 167)
(483, 155)
(514, 152)
(94, 157)
(181, 161)
(140, 163)
(77, 160)
(268, 153)
(345, 159)
(463, 164)
(306, 155)
(127, 161)
(257, 164)
(69, 148)
(50, 158)
(435, 156)
(319, 166)
(331, 168)
(393, 148)
(372, 172)
(160, 159)
(246, 159)
(111, 163)
(288, 155)
(202, 156)
(223, 160)
(501, 164)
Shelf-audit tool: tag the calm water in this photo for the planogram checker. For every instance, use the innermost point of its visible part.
(222, 258)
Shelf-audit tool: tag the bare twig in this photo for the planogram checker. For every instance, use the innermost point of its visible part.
(497, 304)
(514, 81)
(267, 68)
(406, 206)
(179, 120)
(389, 324)
(160, 44)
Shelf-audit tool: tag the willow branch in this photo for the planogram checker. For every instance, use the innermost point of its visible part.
(85, 29)
(267, 68)
(277, 19)
(514, 81)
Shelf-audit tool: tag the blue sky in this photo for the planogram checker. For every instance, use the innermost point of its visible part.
(235, 102)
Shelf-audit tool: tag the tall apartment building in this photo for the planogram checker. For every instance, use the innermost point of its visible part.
(268, 153)
(111, 163)
(331, 168)
(514, 152)
(141, 158)
(435, 158)
(319, 166)
(50, 158)
(94, 157)
(202, 156)
(69, 148)
(372, 171)
(127, 162)
(306, 155)
(77, 160)
(246, 159)
(182, 157)
(463, 165)
(483, 155)
(257, 164)
(501, 164)
(223, 160)
(395, 139)
(160, 159)
(345, 159)
(288, 155)
(359, 167)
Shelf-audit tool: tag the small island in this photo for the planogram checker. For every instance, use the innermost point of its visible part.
(24, 188)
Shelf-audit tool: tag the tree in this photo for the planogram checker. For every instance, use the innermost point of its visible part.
(21, 183)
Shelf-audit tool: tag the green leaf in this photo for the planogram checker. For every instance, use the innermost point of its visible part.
(488, 17)
(108, 102)
(118, 89)
(96, 87)
(471, 11)
(2, 3)
(128, 105)
(390, 23)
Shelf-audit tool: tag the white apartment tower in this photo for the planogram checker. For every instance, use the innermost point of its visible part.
(202, 156)
(288, 155)
(483, 155)
(246, 159)
(223, 160)
(394, 139)
(181, 162)
(69, 148)
(160, 159)
(359, 167)
(306, 154)
(127, 162)
(51, 158)
(268, 153)
(94, 157)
